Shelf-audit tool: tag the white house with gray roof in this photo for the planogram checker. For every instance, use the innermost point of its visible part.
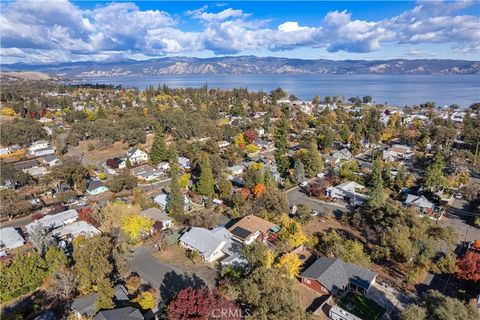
(10, 239)
(137, 156)
(54, 221)
(75, 229)
(156, 214)
(210, 244)
(348, 191)
(419, 202)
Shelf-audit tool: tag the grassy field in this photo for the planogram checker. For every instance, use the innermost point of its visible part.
(361, 306)
(117, 149)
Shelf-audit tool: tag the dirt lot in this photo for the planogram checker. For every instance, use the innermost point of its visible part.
(321, 224)
(309, 299)
(117, 149)
(175, 255)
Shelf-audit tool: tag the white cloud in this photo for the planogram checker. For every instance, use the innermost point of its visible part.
(220, 16)
(290, 26)
(61, 31)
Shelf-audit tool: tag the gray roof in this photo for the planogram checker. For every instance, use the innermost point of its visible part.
(132, 151)
(94, 184)
(206, 241)
(335, 274)
(50, 158)
(127, 313)
(85, 305)
(10, 238)
(54, 221)
(342, 154)
(155, 214)
(25, 164)
(418, 201)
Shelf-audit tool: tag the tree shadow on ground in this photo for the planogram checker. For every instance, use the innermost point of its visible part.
(173, 283)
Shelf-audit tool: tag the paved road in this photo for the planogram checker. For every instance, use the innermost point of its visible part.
(168, 280)
(149, 268)
(296, 197)
(17, 223)
(154, 186)
(465, 231)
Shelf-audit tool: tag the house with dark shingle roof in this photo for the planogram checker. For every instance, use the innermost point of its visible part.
(127, 313)
(327, 276)
(84, 306)
(96, 187)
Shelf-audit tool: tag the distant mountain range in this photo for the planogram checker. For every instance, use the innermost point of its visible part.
(249, 65)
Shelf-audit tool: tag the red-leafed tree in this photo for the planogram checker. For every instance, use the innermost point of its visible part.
(244, 192)
(468, 268)
(225, 309)
(85, 214)
(191, 303)
(202, 303)
(250, 135)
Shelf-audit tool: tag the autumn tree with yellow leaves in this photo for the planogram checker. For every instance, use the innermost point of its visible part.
(134, 226)
(291, 232)
(290, 264)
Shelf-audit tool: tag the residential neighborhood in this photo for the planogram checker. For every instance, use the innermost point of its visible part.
(136, 203)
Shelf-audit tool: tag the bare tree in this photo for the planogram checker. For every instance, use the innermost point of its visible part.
(64, 284)
(159, 236)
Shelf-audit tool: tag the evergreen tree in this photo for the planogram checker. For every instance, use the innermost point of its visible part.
(159, 151)
(206, 182)
(377, 197)
(387, 176)
(401, 178)
(267, 178)
(253, 176)
(225, 189)
(315, 161)
(106, 292)
(175, 204)
(299, 171)
(434, 179)
(101, 113)
(281, 147)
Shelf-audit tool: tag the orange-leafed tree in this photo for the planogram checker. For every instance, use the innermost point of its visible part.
(259, 190)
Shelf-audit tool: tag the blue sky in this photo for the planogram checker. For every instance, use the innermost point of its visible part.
(61, 31)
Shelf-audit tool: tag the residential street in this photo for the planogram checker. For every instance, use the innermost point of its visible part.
(296, 197)
(168, 280)
(465, 231)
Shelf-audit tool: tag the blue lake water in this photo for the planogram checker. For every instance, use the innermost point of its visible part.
(398, 90)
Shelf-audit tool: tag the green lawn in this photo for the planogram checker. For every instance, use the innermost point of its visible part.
(361, 306)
